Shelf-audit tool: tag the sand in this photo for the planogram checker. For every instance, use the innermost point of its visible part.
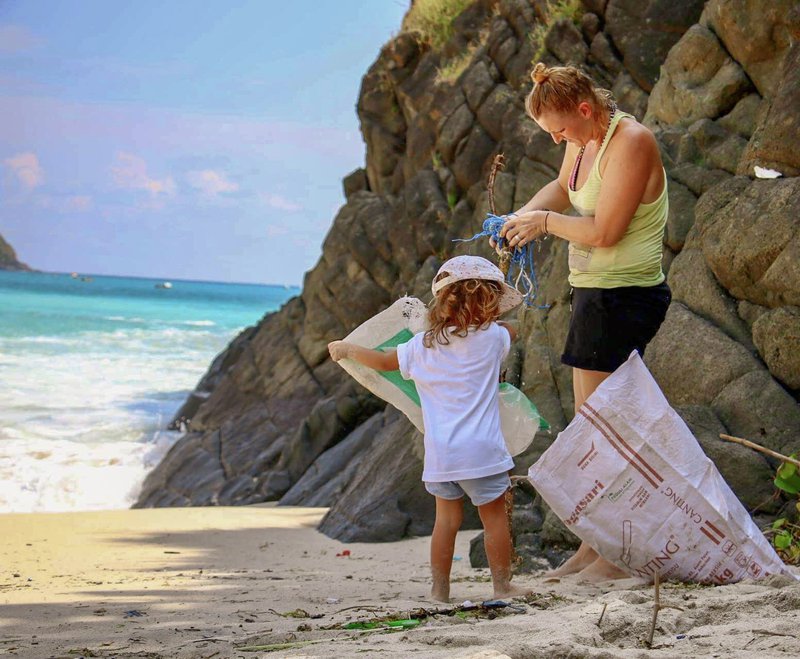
(214, 582)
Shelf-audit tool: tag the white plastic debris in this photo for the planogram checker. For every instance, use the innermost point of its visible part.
(628, 477)
(764, 172)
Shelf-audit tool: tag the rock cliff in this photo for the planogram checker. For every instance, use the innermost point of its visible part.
(717, 81)
(8, 257)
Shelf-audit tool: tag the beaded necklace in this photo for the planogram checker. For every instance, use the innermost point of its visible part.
(573, 180)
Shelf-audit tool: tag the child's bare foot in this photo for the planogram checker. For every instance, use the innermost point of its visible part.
(440, 591)
(510, 590)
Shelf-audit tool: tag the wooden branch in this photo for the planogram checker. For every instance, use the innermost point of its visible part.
(497, 165)
(756, 447)
(602, 613)
(656, 609)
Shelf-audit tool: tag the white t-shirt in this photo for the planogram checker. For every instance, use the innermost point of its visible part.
(458, 389)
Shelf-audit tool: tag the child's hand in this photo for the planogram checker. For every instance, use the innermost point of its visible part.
(338, 349)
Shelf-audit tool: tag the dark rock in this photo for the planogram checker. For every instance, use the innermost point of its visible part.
(275, 415)
(454, 130)
(681, 215)
(603, 52)
(757, 35)
(750, 236)
(757, 408)
(330, 474)
(565, 41)
(492, 111)
(645, 30)
(471, 157)
(746, 471)
(696, 371)
(590, 26)
(8, 258)
(774, 142)
(777, 337)
(742, 120)
(477, 83)
(693, 284)
(699, 80)
(355, 181)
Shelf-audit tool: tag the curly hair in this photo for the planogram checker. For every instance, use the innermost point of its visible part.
(561, 89)
(461, 306)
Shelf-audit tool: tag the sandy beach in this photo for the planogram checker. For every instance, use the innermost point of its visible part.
(237, 582)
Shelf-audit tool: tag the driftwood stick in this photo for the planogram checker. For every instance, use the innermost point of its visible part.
(656, 609)
(756, 447)
(497, 165)
(602, 613)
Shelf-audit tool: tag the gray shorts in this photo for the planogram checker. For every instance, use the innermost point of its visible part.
(479, 490)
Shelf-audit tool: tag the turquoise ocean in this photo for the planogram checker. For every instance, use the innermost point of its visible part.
(93, 368)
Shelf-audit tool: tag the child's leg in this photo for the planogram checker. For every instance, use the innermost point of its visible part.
(497, 540)
(449, 514)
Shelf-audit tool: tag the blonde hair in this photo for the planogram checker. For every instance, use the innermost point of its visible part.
(461, 306)
(561, 89)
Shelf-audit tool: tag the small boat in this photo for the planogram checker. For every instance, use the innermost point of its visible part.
(164, 284)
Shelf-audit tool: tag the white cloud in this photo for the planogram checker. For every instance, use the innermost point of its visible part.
(26, 168)
(131, 172)
(17, 39)
(210, 183)
(281, 203)
(78, 203)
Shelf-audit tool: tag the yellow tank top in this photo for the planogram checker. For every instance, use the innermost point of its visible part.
(633, 261)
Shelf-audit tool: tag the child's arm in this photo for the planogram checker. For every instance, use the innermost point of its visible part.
(510, 329)
(380, 361)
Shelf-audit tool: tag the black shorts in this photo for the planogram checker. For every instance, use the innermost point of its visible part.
(607, 324)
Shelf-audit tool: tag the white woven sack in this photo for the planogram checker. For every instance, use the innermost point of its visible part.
(628, 477)
(519, 418)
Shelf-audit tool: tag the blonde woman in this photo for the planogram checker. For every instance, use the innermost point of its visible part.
(612, 176)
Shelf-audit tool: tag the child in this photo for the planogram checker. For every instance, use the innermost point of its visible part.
(455, 366)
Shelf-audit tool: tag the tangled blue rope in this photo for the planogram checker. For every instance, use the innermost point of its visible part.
(521, 260)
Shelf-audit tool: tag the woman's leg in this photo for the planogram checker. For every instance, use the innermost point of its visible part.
(449, 514)
(586, 560)
(497, 541)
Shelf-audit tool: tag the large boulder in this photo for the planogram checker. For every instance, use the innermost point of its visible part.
(275, 419)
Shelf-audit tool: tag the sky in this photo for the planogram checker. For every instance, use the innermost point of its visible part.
(181, 139)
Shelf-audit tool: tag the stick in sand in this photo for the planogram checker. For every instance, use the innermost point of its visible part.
(756, 447)
(657, 606)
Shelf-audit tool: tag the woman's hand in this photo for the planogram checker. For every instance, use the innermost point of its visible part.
(518, 231)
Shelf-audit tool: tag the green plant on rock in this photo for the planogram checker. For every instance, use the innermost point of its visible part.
(432, 20)
(786, 534)
(555, 10)
(452, 199)
(455, 66)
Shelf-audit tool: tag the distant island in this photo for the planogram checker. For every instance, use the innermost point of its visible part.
(8, 258)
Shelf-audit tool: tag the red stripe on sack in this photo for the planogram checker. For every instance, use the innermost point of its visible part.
(625, 444)
(709, 536)
(716, 530)
(647, 477)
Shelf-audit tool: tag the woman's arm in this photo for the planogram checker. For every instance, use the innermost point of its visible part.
(628, 170)
(375, 359)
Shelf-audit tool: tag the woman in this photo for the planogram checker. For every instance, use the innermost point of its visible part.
(613, 177)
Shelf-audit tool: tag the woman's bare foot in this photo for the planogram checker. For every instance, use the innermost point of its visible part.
(511, 591)
(580, 560)
(601, 570)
